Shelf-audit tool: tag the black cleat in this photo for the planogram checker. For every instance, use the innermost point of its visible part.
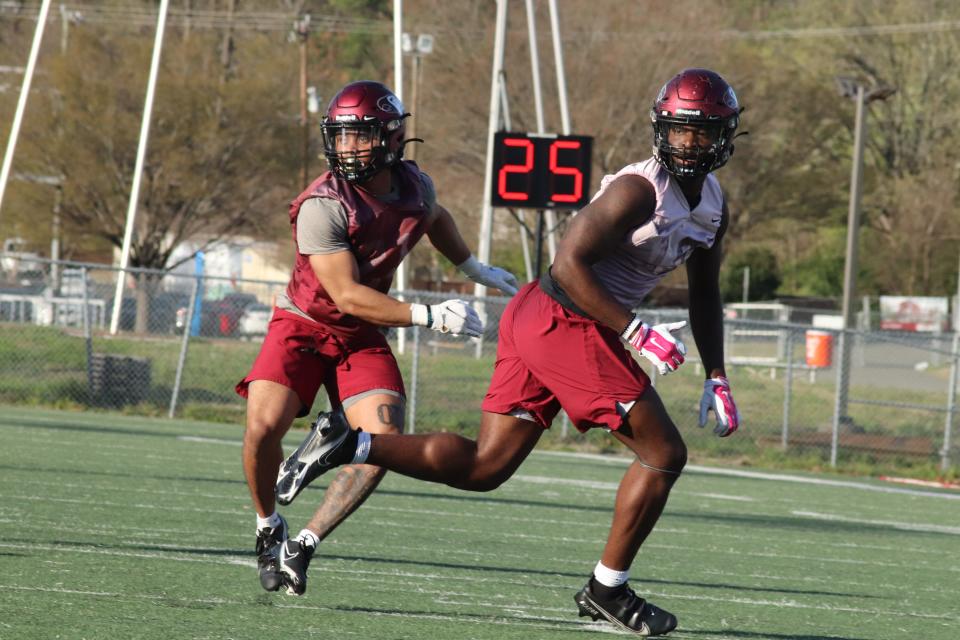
(269, 541)
(627, 611)
(330, 443)
(293, 561)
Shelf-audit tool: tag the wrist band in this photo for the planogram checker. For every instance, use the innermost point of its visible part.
(429, 315)
(630, 328)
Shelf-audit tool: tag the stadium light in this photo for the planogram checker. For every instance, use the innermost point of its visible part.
(313, 100)
(416, 48)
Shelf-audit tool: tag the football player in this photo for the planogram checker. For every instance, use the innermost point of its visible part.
(352, 227)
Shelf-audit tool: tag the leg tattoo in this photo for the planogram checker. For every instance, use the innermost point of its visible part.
(349, 489)
(354, 483)
(391, 414)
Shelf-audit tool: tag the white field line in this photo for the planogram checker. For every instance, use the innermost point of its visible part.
(733, 550)
(717, 531)
(156, 536)
(377, 577)
(758, 475)
(695, 469)
(612, 487)
(902, 526)
(472, 601)
(708, 549)
(522, 620)
(692, 468)
(733, 532)
(505, 535)
(242, 498)
(237, 443)
(125, 506)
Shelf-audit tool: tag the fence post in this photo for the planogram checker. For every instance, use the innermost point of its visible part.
(787, 391)
(87, 335)
(188, 321)
(951, 403)
(840, 399)
(414, 381)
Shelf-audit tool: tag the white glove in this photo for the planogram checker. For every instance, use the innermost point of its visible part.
(717, 396)
(489, 276)
(656, 344)
(455, 317)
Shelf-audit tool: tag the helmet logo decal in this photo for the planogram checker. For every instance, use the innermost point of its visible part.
(390, 104)
(730, 99)
(662, 94)
(689, 112)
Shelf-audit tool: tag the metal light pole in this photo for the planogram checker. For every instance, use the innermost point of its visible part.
(22, 101)
(138, 167)
(401, 285)
(851, 89)
(418, 48)
(952, 389)
(405, 45)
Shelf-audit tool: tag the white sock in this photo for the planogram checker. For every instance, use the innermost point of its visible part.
(610, 577)
(363, 448)
(308, 538)
(271, 521)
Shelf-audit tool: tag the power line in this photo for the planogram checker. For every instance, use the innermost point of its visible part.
(283, 22)
(197, 19)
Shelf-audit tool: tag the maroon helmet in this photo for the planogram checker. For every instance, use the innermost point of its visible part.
(701, 102)
(363, 130)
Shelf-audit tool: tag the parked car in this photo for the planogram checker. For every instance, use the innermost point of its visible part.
(254, 320)
(163, 311)
(219, 318)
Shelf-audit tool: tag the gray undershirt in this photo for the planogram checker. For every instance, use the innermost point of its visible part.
(322, 228)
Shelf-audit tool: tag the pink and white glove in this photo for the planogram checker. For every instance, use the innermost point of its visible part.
(717, 396)
(656, 344)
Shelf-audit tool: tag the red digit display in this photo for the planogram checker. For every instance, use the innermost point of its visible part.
(566, 171)
(536, 171)
(507, 169)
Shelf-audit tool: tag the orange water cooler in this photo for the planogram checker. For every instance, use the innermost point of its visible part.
(819, 348)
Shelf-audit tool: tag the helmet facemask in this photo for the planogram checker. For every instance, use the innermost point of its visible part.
(691, 147)
(358, 149)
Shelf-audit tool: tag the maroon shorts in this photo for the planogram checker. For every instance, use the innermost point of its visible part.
(303, 355)
(549, 357)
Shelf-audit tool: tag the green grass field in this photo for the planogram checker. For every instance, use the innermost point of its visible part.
(130, 527)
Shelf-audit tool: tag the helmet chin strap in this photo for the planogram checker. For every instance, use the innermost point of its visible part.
(404, 143)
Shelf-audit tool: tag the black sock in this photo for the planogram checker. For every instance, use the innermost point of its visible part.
(603, 592)
(349, 448)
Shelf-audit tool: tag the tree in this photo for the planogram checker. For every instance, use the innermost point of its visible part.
(764, 275)
(219, 158)
(910, 203)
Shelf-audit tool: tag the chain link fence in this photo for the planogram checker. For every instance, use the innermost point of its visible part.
(809, 395)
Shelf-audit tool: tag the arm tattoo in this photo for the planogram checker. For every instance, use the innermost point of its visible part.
(348, 490)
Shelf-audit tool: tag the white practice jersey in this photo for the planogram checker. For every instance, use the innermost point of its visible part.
(654, 249)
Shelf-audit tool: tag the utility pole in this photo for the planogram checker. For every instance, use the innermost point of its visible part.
(302, 27)
(851, 88)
